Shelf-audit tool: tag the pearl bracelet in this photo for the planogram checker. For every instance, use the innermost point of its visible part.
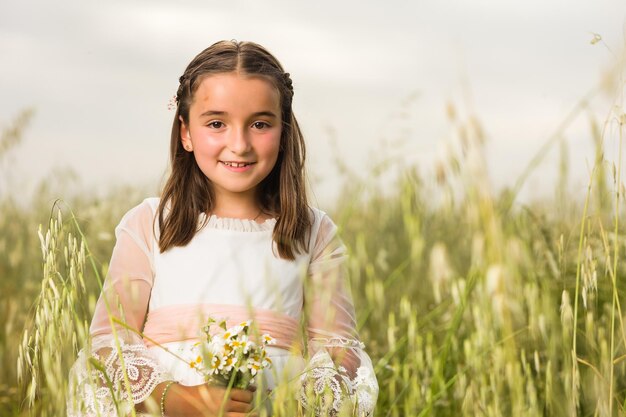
(169, 384)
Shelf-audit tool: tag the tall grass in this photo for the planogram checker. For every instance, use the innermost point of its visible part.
(470, 303)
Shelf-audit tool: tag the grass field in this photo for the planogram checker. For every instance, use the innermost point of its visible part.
(470, 302)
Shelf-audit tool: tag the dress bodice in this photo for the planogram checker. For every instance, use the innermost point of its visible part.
(229, 261)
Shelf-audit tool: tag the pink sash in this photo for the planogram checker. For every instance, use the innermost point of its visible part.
(184, 322)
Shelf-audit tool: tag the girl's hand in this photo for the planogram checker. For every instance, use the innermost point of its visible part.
(214, 401)
(205, 401)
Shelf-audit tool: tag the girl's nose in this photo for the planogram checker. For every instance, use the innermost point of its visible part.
(238, 142)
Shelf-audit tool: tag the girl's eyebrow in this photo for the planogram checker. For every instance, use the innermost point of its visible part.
(223, 113)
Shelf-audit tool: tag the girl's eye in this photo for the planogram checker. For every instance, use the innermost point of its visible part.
(216, 124)
(260, 125)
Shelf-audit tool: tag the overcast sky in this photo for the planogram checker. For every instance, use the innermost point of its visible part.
(100, 74)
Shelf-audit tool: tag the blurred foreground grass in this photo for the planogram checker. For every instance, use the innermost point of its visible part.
(469, 302)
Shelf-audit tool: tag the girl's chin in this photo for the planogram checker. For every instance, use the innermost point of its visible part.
(235, 188)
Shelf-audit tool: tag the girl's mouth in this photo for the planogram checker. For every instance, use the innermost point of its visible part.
(236, 164)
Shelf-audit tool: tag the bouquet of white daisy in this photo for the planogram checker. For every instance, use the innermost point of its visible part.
(230, 357)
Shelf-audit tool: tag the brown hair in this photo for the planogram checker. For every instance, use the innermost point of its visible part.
(188, 192)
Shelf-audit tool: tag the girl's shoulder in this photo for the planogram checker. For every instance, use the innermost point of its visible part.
(147, 208)
(319, 218)
(323, 229)
(316, 214)
(141, 216)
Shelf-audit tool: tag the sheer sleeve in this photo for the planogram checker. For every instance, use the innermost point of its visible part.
(339, 374)
(117, 370)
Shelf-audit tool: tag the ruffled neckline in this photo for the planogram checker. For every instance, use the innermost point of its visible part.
(238, 225)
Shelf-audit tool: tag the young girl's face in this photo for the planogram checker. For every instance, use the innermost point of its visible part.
(234, 131)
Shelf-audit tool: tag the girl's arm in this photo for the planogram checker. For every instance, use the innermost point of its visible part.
(338, 358)
(117, 370)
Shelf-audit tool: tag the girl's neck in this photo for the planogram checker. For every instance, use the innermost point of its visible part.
(238, 207)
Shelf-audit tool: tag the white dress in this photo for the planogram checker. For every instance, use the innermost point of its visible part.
(228, 271)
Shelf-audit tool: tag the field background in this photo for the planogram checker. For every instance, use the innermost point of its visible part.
(469, 301)
(484, 216)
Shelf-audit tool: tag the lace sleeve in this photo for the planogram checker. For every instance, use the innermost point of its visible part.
(112, 376)
(117, 371)
(339, 375)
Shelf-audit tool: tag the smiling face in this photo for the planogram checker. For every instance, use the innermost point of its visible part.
(234, 132)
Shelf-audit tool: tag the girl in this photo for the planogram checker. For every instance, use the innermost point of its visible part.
(232, 237)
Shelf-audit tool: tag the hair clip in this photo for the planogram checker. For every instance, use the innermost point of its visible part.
(173, 103)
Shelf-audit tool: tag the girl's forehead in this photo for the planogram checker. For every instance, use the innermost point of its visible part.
(235, 92)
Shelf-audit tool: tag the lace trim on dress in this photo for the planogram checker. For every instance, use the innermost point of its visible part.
(238, 225)
(342, 342)
(99, 384)
(327, 388)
